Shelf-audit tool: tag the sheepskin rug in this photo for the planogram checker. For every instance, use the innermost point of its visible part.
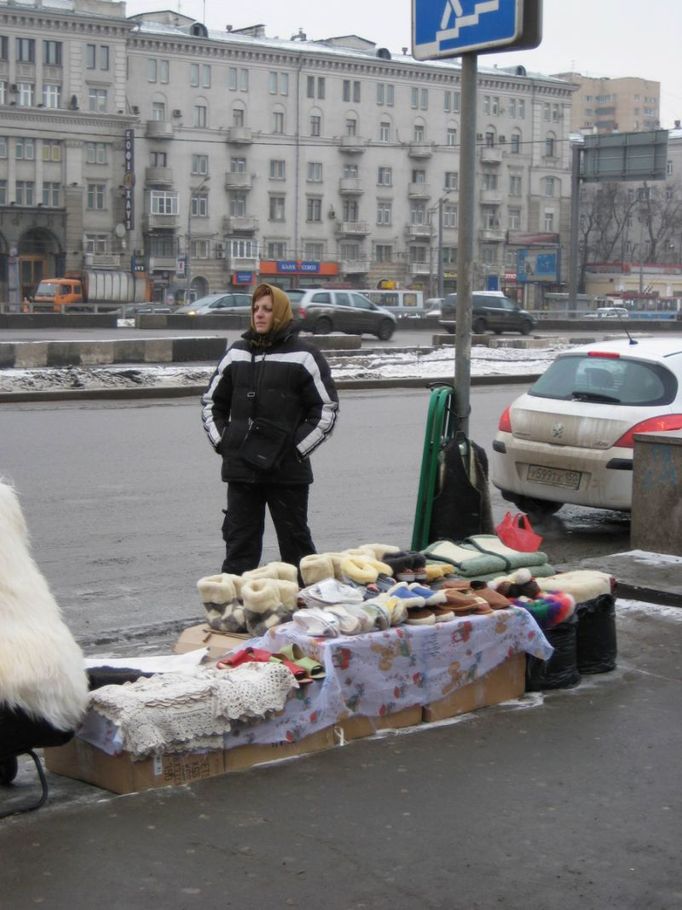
(41, 666)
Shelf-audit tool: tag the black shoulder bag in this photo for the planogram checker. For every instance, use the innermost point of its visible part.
(265, 441)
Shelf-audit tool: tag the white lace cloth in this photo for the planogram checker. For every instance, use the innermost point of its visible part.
(178, 711)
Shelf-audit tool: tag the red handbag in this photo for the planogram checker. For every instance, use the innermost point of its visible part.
(517, 532)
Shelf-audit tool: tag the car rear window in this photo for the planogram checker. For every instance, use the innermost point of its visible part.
(613, 380)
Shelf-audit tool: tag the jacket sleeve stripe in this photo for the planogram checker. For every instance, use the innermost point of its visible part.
(231, 355)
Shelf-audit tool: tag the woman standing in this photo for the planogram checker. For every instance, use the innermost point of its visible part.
(269, 404)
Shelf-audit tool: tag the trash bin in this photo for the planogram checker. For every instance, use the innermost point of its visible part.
(561, 670)
(596, 638)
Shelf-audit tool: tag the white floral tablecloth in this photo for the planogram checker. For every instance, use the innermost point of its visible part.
(382, 672)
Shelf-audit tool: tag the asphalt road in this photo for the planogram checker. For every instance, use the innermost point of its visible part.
(124, 499)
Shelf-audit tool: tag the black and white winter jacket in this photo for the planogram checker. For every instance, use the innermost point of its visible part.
(293, 388)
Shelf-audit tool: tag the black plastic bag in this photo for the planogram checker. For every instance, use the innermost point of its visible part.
(462, 508)
(561, 670)
(597, 647)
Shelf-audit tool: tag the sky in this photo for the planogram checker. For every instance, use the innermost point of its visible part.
(592, 37)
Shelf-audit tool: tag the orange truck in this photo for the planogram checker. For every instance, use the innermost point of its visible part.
(107, 289)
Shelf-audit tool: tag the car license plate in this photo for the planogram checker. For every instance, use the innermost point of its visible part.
(554, 477)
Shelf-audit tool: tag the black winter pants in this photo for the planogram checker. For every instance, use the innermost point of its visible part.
(245, 521)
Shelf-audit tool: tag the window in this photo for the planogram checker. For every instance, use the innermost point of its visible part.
(549, 222)
(199, 205)
(200, 164)
(419, 133)
(152, 70)
(242, 249)
(351, 126)
(450, 215)
(200, 249)
(51, 194)
(237, 165)
(385, 176)
(52, 53)
(489, 217)
(158, 159)
(3, 191)
(314, 172)
(351, 90)
(200, 116)
(550, 186)
(3, 92)
(383, 252)
(350, 250)
(313, 209)
(522, 109)
(350, 170)
(4, 47)
(162, 245)
(24, 192)
(384, 211)
(385, 94)
(96, 56)
(278, 169)
(489, 139)
(164, 71)
(52, 150)
(315, 87)
(24, 149)
(238, 205)
(3, 147)
(384, 131)
(515, 184)
(278, 122)
(546, 111)
(96, 153)
(351, 210)
(97, 99)
(550, 147)
(489, 181)
(420, 98)
(514, 219)
(515, 143)
(278, 83)
(96, 194)
(449, 256)
(162, 202)
(451, 181)
(314, 251)
(451, 137)
(158, 110)
(52, 95)
(26, 90)
(200, 75)
(238, 116)
(276, 208)
(26, 50)
(418, 175)
(451, 102)
(418, 213)
(96, 243)
(276, 249)
(315, 125)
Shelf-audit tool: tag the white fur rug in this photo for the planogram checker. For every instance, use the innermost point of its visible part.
(41, 666)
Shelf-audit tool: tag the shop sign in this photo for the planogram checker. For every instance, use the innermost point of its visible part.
(242, 278)
(129, 179)
(180, 266)
(296, 266)
(537, 265)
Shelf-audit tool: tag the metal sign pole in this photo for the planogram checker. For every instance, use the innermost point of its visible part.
(575, 220)
(465, 242)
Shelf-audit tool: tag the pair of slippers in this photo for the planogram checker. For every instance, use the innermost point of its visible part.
(305, 669)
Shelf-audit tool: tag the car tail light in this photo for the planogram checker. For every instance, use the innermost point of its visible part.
(301, 312)
(651, 425)
(504, 425)
(607, 355)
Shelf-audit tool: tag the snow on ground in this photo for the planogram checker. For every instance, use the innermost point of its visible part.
(419, 363)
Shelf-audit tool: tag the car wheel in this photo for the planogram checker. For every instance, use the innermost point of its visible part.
(526, 327)
(530, 505)
(323, 326)
(385, 330)
(479, 326)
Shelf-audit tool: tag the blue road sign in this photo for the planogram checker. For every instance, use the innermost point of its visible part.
(448, 28)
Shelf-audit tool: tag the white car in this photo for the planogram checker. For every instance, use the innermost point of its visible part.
(569, 439)
(609, 312)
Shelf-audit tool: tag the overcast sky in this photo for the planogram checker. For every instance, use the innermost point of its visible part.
(593, 37)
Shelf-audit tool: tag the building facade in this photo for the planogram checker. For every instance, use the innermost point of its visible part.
(217, 159)
(604, 105)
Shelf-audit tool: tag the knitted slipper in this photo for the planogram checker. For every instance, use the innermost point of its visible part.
(421, 616)
(431, 597)
(407, 595)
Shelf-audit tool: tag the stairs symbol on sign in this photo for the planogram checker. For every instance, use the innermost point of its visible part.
(454, 10)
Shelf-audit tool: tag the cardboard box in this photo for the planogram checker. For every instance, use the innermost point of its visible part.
(240, 757)
(203, 636)
(120, 774)
(502, 683)
(358, 727)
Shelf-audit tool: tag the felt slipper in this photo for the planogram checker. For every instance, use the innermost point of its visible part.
(443, 614)
(421, 616)
(493, 598)
(315, 621)
(349, 624)
(300, 673)
(245, 656)
(313, 668)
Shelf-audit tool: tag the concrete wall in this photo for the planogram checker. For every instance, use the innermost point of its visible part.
(656, 521)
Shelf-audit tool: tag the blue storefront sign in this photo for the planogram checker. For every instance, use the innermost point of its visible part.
(537, 265)
(243, 278)
(297, 265)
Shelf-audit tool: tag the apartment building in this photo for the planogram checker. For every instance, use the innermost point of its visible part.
(218, 159)
(604, 105)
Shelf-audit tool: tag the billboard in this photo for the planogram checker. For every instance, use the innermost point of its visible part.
(625, 156)
(537, 265)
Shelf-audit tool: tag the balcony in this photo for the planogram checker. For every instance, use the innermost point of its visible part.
(420, 150)
(158, 129)
(238, 181)
(491, 154)
(102, 260)
(418, 232)
(353, 145)
(159, 223)
(353, 228)
(239, 135)
(350, 186)
(491, 235)
(420, 268)
(240, 224)
(159, 176)
(355, 266)
(163, 264)
(419, 190)
(490, 197)
(247, 263)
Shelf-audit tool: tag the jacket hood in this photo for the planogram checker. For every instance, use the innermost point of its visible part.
(281, 307)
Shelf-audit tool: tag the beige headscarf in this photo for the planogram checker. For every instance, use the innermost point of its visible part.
(281, 307)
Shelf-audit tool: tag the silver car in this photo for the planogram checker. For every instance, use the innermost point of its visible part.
(321, 311)
(217, 304)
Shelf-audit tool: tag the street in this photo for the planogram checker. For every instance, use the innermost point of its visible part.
(124, 500)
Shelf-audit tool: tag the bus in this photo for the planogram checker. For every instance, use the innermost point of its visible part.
(402, 303)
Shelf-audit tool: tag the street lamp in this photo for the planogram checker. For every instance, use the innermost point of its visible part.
(188, 251)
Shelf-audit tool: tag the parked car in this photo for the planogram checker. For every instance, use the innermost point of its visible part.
(569, 439)
(217, 304)
(322, 311)
(609, 312)
(434, 307)
(490, 311)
